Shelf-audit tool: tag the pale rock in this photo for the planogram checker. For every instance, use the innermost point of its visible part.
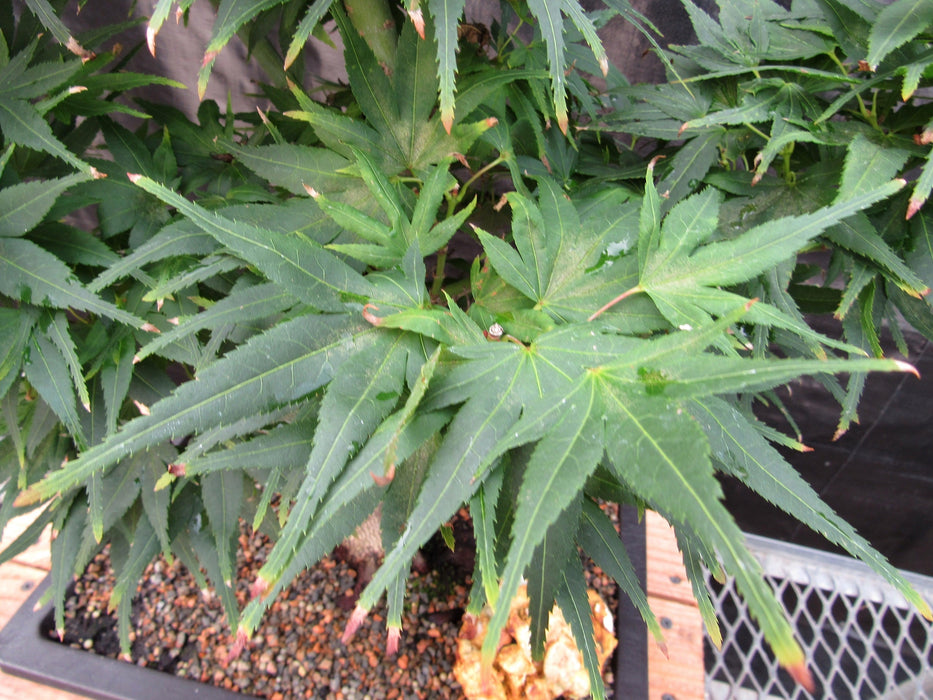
(514, 674)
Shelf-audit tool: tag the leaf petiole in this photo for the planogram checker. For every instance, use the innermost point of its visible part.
(605, 307)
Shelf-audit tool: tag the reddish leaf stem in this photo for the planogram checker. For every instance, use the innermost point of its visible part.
(606, 307)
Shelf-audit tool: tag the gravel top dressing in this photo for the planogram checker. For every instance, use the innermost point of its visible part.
(297, 652)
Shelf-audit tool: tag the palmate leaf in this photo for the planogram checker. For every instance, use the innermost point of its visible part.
(409, 136)
(897, 24)
(745, 454)
(656, 448)
(559, 267)
(406, 233)
(279, 366)
(297, 263)
(569, 429)
(672, 281)
(351, 499)
(355, 404)
(241, 305)
(563, 459)
(663, 456)
(542, 231)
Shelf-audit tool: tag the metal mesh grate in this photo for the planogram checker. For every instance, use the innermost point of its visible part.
(861, 638)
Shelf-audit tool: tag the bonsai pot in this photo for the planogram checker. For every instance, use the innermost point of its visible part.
(29, 649)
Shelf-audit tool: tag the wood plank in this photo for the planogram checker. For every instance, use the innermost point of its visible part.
(16, 583)
(38, 554)
(18, 578)
(680, 674)
(666, 576)
(13, 688)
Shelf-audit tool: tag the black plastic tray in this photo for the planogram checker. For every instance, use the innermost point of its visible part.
(27, 651)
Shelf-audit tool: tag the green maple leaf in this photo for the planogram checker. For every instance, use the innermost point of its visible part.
(684, 272)
(624, 400)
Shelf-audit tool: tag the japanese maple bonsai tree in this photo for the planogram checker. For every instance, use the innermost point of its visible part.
(457, 280)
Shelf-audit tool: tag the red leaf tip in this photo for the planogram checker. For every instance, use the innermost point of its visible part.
(150, 39)
(800, 673)
(392, 641)
(239, 644)
(356, 619)
(386, 478)
(133, 177)
(907, 367)
(259, 587)
(914, 206)
(417, 18)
